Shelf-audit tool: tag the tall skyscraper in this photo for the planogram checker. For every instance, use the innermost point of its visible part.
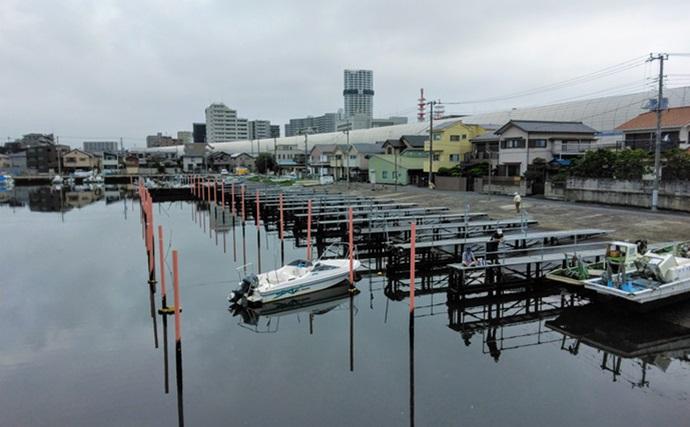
(222, 124)
(358, 91)
(199, 132)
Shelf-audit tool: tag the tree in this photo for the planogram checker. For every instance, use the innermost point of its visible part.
(677, 166)
(265, 162)
(631, 164)
(595, 164)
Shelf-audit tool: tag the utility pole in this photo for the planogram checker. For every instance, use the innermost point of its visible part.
(431, 141)
(306, 155)
(347, 135)
(395, 158)
(657, 149)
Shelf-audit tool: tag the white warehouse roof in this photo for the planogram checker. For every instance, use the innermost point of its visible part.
(602, 114)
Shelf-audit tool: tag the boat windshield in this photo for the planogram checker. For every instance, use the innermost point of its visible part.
(301, 263)
(323, 267)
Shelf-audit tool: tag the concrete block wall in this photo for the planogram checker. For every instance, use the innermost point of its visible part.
(674, 195)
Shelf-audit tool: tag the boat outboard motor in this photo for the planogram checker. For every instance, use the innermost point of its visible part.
(641, 246)
(248, 284)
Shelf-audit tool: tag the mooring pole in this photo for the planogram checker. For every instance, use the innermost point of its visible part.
(178, 337)
(413, 237)
(232, 198)
(309, 230)
(162, 265)
(350, 240)
(280, 231)
(243, 212)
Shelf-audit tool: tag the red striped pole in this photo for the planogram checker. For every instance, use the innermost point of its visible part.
(413, 238)
(162, 260)
(281, 216)
(176, 291)
(215, 190)
(350, 239)
(309, 230)
(258, 212)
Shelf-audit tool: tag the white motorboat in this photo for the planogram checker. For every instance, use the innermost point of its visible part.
(57, 179)
(297, 278)
(656, 277)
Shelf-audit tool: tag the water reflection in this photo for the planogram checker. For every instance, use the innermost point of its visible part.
(313, 304)
(646, 340)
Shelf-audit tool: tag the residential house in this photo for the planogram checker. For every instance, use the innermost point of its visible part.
(44, 157)
(242, 160)
(522, 141)
(405, 168)
(110, 163)
(17, 163)
(132, 164)
(320, 158)
(403, 161)
(5, 163)
(451, 140)
(640, 132)
(77, 159)
(289, 158)
(219, 160)
(357, 159)
(194, 157)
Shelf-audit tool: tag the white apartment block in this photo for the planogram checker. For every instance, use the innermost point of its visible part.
(259, 129)
(358, 91)
(222, 124)
(100, 147)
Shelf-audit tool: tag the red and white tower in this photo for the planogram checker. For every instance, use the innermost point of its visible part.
(421, 106)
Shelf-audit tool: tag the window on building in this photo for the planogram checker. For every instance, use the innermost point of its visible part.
(513, 143)
(537, 143)
(384, 174)
(454, 157)
(455, 138)
(437, 137)
(437, 157)
(464, 136)
(353, 157)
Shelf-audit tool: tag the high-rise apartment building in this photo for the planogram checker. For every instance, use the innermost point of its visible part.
(185, 136)
(222, 124)
(318, 124)
(100, 147)
(259, 129)
(275, 131)
(160, 140)
(358, 91)
(199, 132)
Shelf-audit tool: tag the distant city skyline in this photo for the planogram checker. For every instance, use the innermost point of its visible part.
(113, 75)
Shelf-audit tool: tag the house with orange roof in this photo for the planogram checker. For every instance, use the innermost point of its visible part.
(640, 132)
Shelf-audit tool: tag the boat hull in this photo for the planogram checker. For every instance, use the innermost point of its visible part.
(667, 292)
(297, 289)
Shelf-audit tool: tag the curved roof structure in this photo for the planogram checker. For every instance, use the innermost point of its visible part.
(602, 114)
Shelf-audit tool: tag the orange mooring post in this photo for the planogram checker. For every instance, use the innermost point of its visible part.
(176, 296)
(215, 190)
(413, 237)
(162, 260)
(309, 230)
(350, 239)
(243, 212)
(281, 216)
(258, 212)
(149, 230)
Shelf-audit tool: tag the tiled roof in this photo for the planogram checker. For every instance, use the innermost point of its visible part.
(540, 126)
(670, 118)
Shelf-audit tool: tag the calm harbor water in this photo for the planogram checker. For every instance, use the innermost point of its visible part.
(79, 342)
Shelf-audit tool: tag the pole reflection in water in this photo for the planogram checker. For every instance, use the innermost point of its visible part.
(178, 339)
(411, 336)
(352, 332)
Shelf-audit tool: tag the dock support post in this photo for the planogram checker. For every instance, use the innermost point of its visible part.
(309, 230)
(351, 246)
(413, 237)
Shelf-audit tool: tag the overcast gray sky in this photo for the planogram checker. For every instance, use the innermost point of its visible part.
(107, 68)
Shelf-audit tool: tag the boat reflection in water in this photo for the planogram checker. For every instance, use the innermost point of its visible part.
(314, 303)
(625, 339)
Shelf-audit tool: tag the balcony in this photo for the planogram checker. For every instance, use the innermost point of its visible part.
(480, 156)
(575, 147)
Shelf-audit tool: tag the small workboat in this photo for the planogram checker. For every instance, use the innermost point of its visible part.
(643, 279)
(296, 278)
